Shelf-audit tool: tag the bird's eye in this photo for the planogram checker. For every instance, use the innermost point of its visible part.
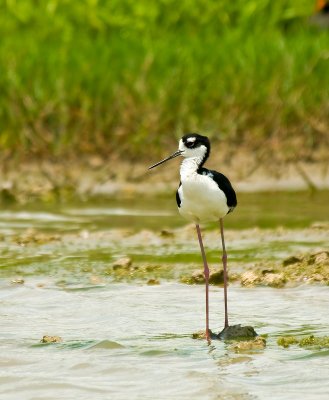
(190, 143)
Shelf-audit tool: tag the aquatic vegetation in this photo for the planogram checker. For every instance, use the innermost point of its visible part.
(314, 341)
(286, 341)
(318, 342)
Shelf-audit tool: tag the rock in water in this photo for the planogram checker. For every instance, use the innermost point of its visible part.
(259, 343)
(237, 332)
(123, 263)
(202, 335)
(216, 278)
(51, 339)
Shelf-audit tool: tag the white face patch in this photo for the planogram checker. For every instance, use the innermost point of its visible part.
(182, 146)
(192, 153)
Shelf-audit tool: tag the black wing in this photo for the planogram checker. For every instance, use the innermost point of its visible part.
(224, 184)
(178, 199)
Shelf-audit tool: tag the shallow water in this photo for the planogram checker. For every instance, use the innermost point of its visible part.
(134, 341)
(131, 340)
(264, 210)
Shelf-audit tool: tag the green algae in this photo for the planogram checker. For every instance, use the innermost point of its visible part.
(308, 342)
(286, 341)
(314, 341)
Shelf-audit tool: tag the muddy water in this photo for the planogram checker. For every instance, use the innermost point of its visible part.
(131, 340)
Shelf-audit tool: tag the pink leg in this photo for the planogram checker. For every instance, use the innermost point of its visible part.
(206, 275)
(224, 259)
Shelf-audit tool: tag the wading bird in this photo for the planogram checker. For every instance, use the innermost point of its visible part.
(203, 195)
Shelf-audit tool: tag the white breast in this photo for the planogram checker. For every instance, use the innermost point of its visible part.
(201, 199)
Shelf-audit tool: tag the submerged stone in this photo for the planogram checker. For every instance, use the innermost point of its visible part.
(290, 260)
(51, 339)
(319, 258)
(153, 281)
(95, 280)
(123, 263)
(250, 278)
(197, 277)
(31, 236)
(274, 280)
(309, 268)
(234, 332)
(165, 233)
(237, 332)
(216, 278)
(107, 344)
(7, 196)
(199, 335)
(202, 335)
(259, 343)
(18, 281)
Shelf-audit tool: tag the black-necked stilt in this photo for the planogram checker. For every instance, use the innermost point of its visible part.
(203, 195)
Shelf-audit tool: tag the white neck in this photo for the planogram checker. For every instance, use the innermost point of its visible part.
(189, 167)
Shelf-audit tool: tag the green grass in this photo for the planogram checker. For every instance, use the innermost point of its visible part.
(97, 76)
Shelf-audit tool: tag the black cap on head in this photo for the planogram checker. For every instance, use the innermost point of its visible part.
(194, 140)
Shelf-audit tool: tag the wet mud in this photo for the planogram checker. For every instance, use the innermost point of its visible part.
(269, 257)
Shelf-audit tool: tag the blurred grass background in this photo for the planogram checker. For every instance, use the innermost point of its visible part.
(125, 76)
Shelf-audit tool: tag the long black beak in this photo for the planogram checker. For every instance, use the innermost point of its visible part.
(176, 154)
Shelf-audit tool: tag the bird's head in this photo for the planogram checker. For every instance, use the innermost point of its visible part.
(191, 145)
(194, 145)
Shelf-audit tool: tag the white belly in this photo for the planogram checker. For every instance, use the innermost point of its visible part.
(202, 200)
